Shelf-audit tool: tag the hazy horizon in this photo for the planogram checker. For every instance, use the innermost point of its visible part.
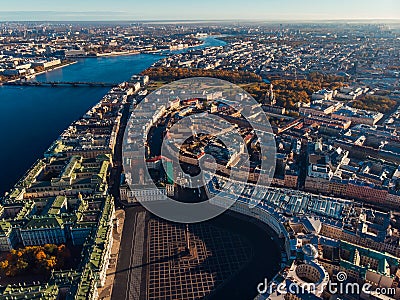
(236, 20)
(205, 10)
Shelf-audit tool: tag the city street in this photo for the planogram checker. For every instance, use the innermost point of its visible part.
(128, 283)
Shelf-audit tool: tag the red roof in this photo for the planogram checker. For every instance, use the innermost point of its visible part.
(157, 158)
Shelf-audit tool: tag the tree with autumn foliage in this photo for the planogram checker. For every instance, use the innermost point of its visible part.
(375, 103)
(171, 74)
(37, 259)
(289, 92)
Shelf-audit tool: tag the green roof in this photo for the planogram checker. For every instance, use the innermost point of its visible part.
(42, 292)
(87, 285)
(70, 167)
(5, 227)
(58, 203)
(44, 222)
(15, 192)
(384, 259)
(57, 147)
(31, 174)
(26, 210)
(170, 172)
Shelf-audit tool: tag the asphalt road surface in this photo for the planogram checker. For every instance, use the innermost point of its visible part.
(128, 283)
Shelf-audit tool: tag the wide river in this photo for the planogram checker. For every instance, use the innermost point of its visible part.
(31, 118)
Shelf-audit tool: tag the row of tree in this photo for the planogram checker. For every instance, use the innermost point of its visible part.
(325, 80)
(376, 103)
(287, 92)
(290, 92)
(36, 259)
(170, 74)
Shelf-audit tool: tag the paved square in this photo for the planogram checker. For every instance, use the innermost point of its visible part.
(173, 273)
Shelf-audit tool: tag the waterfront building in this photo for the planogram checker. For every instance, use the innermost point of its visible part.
(68, 176)
(46, 63)
(63, 198)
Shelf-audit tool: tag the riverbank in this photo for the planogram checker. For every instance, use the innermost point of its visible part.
(57, 67)
(135, 52)
(110, 54)
(63, 65)
(32, 118)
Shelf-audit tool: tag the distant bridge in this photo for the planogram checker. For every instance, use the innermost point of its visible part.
(61, 83)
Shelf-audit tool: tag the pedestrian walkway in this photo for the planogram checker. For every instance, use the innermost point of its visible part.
(105, 292)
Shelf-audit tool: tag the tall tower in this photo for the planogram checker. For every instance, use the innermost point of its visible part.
(187, 237)
(272, 100)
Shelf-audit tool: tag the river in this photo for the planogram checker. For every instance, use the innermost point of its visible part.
(31, 118)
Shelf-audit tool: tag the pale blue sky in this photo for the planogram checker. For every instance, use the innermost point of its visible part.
(198, 10)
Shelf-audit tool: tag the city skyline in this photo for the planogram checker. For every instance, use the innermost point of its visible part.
(122, 140)
(205, 10)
